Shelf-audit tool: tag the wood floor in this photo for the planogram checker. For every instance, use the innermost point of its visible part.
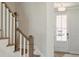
(64, 54)
(58, 54)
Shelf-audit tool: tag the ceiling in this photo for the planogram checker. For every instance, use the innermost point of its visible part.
(66, 4)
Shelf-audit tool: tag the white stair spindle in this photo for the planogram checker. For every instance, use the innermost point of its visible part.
(3, 5)
(27, 43)
(7, 19)
(10, 28)
(20, 44)
(13, 30)
(24, 47)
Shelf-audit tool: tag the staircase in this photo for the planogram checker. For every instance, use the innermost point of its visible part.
(13, 42)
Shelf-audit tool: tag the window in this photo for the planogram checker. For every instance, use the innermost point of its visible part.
(61, 27)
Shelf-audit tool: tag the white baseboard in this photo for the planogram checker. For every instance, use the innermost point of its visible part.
(74, 52)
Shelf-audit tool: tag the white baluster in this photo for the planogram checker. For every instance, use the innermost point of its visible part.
(7, 24)
(13, 30)
(27, 45)
(20, 44)
(24, 47)
(10, 27)
(3, 5)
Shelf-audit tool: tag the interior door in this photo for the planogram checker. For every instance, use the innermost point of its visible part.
(61, 43)
(73, 29)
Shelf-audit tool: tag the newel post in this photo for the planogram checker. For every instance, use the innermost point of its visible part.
(31, 46)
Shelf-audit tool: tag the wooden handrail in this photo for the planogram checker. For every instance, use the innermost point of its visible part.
(22, 33)
(31, 43)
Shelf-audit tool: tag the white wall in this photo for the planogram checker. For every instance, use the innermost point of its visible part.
(23, 15)
(37, 25)
(51, 24)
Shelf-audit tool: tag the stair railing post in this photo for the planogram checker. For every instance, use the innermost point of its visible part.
(31, 46)
(15, 31)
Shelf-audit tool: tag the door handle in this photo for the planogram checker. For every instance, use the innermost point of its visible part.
(67, 35)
